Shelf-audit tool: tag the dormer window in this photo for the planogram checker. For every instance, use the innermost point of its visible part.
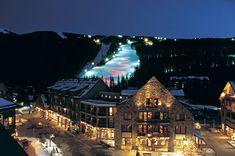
(148, 103)
(155, 102)
(152, 102)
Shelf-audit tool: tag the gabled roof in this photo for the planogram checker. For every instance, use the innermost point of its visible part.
(232, 84)
(79, 86)
(102, 103)
(5, 104)
(153, 89)
(228, 89)
(177, 92)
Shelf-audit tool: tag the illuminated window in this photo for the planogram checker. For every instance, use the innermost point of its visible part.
(105, 96)
(1, 118)
(145, 116)
(126, 141)
(140, 115)
(110, 111)
(161, 130)
(161, 116)
(127, 116)
(102, 95)
(150, 115)
(120, 97)
(155, 102)
(115, 97)
(140, 128)
(110, 96)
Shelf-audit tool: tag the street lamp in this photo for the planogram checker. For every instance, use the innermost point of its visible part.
(51, 136)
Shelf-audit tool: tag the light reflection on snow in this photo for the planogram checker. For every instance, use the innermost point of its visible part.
(123, 64)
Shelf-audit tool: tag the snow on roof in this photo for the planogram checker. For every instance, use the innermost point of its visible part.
(44, 99)
(99, 102)
(81, 86)
(5, 104)
(199, 106)
(177, 92)
(232, 84)
(61, 34)
(3, 31)
(189, 77)
(129, 91)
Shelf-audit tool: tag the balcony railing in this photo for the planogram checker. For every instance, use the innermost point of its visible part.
(154, 134)
(154, 121)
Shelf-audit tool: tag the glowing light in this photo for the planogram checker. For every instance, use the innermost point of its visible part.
(89, 36)
(120, 43)
(92, 63)
(114, 56)
(120, 36)
(146, 39)
(232, 39)
(150, 43)
(107, 59)
(175, 40)
(129, 42)
(97, 41)
(85, 70)
(89, 73)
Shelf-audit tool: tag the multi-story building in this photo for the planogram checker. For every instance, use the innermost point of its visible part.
(152, 120)
(227, 103)
(64, 97)
(97, 119)
(149, 119)
(7, 114)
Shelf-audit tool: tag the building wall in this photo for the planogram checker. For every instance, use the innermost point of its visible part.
(8, 120)
(227, 103)
(153, 98)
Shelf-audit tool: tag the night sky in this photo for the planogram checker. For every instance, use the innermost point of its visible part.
(166, 18)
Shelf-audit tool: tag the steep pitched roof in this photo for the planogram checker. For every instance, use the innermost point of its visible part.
(228, 89)
(5, 104)
(232, 84)
(153, 89)
(80, 86)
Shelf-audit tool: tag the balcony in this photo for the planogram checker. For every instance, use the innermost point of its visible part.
(153, 134)
(102, 114)
(154, 121)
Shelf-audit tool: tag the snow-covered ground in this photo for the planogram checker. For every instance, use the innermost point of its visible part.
(123, 63)
(44, 149)
(3, 31)
(99, 58)
(61, 34)
(199, 106)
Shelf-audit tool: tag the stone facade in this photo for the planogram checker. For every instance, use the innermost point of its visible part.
(152, 120)
(227, 103)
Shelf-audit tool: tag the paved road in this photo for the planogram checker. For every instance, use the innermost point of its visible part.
(79, 145)
(219, 143)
